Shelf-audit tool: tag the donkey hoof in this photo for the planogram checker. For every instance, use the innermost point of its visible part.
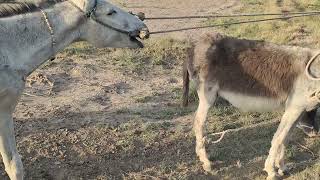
(207, 167)
(210, 171)
(283, 171)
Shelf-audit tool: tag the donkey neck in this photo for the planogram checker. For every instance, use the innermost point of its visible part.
(26, 42)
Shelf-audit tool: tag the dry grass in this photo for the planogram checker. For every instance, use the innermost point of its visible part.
(300, 31)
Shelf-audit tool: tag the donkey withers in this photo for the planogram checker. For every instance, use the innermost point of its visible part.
(30, 35)
(253, 76)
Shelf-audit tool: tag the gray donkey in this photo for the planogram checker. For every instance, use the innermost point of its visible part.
(30, 35)
(253, 76)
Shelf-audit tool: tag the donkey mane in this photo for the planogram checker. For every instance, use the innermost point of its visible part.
(12, 8)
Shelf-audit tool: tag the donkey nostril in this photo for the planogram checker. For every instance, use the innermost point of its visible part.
(142, 33)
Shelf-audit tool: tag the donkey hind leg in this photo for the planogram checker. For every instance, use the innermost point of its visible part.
(279, 161)
(10, 156)
(276, 152)
(207, 97)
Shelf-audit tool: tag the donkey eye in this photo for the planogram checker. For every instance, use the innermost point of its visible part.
(111, 12)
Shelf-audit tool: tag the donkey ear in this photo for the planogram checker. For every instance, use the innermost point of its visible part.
(85, 5)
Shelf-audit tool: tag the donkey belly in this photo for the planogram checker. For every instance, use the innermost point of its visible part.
(251, 103)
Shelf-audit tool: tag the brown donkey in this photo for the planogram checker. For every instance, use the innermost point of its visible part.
(253, 76)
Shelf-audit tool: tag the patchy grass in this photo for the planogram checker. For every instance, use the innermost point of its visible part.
(302, 31)
(79, 48)
(165, 113)
(163, 52)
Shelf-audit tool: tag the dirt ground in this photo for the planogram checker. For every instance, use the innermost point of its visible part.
(84, 117)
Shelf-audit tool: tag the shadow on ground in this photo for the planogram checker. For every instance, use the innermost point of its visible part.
(76, 147)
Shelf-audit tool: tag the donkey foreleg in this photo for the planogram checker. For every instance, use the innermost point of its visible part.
(274, 161)
(10, 156)
(11, 89)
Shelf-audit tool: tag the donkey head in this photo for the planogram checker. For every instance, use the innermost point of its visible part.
(110, 26)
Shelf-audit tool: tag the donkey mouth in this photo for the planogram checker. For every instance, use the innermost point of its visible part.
(135, 40)
(142, 34)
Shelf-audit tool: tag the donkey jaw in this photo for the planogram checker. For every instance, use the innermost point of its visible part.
(136, 41)
(141, 34)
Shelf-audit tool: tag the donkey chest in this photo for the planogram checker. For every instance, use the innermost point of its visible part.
(251, 103)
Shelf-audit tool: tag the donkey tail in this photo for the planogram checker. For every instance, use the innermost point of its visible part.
(186, 81)
(187, 68)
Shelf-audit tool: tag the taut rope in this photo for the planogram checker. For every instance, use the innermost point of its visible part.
(233, 23)
(230, 15)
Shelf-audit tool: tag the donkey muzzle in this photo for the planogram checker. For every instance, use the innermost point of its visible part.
(141, 33)
(144, 33)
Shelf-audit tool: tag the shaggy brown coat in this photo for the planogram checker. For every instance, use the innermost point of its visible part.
(249, 67)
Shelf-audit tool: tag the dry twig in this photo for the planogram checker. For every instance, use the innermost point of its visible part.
(306, 148)
(241, 128)
(32, 95)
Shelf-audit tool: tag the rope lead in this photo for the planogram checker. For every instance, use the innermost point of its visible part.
(231, 15)
(233, 23)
